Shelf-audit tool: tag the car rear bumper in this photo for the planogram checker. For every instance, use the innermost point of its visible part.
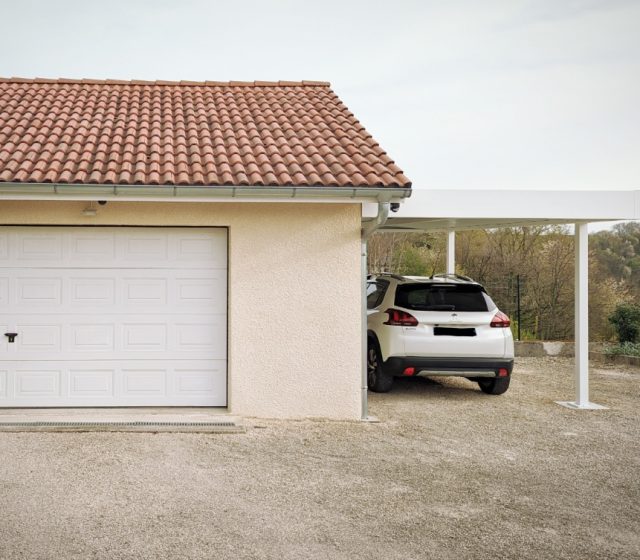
(466, 367)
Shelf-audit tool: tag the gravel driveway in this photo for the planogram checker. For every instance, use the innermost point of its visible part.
(448, 473)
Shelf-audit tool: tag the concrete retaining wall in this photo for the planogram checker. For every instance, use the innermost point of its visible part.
(542, 349)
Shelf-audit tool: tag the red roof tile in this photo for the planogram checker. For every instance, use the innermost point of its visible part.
(185, 133)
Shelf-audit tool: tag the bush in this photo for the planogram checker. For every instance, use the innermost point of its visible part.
(626, 320)
(625, 349)
(525, 334)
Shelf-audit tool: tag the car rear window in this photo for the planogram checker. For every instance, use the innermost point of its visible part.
(375, 293)
(443, 297)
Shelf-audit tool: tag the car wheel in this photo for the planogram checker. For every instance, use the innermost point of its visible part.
(494, 385)
(377, 379)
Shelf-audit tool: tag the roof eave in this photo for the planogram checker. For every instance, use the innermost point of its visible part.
(62, 191)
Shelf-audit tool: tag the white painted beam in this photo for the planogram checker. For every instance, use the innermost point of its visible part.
(450, 208)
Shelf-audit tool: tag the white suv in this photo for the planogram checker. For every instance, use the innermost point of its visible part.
(440, 325)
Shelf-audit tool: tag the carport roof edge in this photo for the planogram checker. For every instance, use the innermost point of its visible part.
(458, 209)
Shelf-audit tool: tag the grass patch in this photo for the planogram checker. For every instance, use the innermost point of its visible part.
(624, 349)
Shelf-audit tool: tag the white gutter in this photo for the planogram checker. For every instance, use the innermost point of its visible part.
(63, 191)
(367, 230)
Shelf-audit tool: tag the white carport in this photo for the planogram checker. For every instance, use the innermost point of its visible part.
(457, 209)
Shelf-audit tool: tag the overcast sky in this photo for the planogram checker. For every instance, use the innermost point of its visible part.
(462, 93)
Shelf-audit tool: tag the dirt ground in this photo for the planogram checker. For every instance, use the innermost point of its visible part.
(448, 473)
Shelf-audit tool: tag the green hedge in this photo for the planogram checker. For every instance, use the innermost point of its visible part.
(626, 320)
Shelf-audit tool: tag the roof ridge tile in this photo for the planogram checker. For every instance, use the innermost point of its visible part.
(111, 81)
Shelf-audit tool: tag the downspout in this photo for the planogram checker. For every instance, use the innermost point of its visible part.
(381, 218)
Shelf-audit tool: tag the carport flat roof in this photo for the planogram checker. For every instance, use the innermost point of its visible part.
(463, 209)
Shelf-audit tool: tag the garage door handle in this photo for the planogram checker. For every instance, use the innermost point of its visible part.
(11, 336)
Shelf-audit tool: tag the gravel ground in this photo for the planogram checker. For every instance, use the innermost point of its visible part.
(448, 473)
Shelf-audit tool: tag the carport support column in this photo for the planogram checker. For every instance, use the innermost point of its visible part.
(582, 314)
(451, 252)
(581, 240)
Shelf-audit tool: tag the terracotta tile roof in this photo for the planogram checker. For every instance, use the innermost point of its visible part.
(185, 133)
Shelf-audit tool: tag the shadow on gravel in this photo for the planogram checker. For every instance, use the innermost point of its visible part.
(452, 389)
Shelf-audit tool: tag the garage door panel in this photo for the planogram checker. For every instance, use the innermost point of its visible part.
(196, 338)
(4, 378)
(4, 247)
(118, 337)
(117, 383)
(4, 345)
(195, 381)
(83, 291)
(192, 247)
(91, 337)
(37, 292)
(145, 291)
(204, 291)
(113, 247)
(148, 247)
(92, 382)
(39, 338)
(92, 291)
(142, 337)
(144, 381)
(42, 247)
(4, 292)
(113, 316)
(92, 247)
(38, 382)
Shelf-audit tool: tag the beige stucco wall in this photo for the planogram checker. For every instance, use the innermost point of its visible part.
(294, 295)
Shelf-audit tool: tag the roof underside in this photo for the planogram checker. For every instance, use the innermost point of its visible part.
(460, 209)
(186, 133)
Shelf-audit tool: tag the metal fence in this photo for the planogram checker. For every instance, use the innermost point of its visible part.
(507, 294)
(530, 319)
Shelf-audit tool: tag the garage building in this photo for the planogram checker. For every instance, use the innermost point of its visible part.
(184, 244)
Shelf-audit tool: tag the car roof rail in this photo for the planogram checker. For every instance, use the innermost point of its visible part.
(392, 275)
(454, 276)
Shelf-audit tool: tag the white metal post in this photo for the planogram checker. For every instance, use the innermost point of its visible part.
(582, 314)
(451, 252)
(581, 241)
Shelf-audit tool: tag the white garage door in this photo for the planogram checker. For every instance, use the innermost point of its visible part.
(113, 316)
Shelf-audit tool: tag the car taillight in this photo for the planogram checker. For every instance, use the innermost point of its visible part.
(400, 318)
(500, 320)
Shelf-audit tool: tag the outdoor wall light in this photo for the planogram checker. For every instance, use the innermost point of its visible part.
(90, 210)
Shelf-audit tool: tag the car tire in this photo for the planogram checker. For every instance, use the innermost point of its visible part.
(494, 385)
(377, 380)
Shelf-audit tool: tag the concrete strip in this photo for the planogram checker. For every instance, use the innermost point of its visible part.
(200, 420)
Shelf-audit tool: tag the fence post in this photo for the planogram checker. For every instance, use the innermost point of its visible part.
(518, 304)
